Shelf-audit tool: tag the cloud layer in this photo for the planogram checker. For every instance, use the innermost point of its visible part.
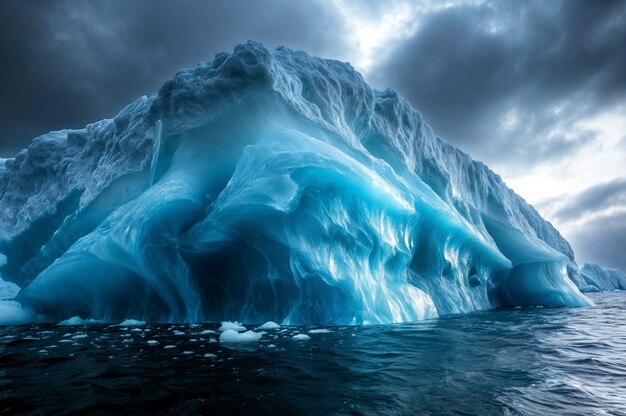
(514, 75)
(68, 63)
(537, 90)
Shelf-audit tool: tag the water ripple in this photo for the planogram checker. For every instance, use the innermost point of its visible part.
(512, 362)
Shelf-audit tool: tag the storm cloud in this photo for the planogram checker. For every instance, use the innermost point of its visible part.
(508, 80)
(521, 86)
(600, 198)
(535, 89)
(69, 63)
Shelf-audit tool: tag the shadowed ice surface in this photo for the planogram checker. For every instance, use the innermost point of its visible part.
(513, 361)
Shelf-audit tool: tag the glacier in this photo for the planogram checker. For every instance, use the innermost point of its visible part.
(270, 185)
(601, 279)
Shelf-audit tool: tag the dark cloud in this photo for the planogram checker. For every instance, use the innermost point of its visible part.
(508, 80)
(602, 240)
(596, 220)
(68, 63)
(595, 199)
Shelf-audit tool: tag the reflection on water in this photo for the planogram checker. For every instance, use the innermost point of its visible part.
(521, 361)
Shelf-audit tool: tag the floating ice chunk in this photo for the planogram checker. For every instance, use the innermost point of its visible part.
(206, 332)
(80, 336)
(301, 337)
(77, 320)
(12, 313)
(209, 355)
(152, 342)
(269, 325)
(230, 335)
(319, 331)
(178, 333)
(235, 326)
(132, 322)
(167, 347)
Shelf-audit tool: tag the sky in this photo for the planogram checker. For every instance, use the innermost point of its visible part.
(535, 89)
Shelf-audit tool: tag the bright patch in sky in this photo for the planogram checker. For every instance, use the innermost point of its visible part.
(552, 186)
(373, 30)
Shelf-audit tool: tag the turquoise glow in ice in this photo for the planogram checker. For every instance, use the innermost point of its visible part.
(270, 185)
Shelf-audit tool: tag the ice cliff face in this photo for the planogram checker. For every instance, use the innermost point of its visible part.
(270, 185)
(599, 279)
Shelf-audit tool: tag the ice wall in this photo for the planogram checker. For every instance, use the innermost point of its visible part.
(270, 185)
(599, 279)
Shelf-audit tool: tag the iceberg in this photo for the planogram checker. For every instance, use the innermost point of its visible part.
(270, 185)
(601, 279)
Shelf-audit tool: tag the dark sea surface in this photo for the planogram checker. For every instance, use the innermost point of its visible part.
(534, 361)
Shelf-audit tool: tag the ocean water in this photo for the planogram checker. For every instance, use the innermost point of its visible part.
(533, 361)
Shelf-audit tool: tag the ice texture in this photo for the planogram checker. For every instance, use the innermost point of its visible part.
(234, 326)
(600, 279)
(8, 290)
(319, 331)
(13, 313)
(132, 322)
(77, 320)
(269, 325)
(230, 335)
(270, 185)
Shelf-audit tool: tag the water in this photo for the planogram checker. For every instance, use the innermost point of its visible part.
(521, 361)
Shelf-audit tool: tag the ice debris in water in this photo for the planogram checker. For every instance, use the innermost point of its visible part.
(235, 326)
(132, 322)
(77, 320)
(301, 337)
(230, 335)
(269, 325)
(380, 220)
(319, 331)
(152, 342)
